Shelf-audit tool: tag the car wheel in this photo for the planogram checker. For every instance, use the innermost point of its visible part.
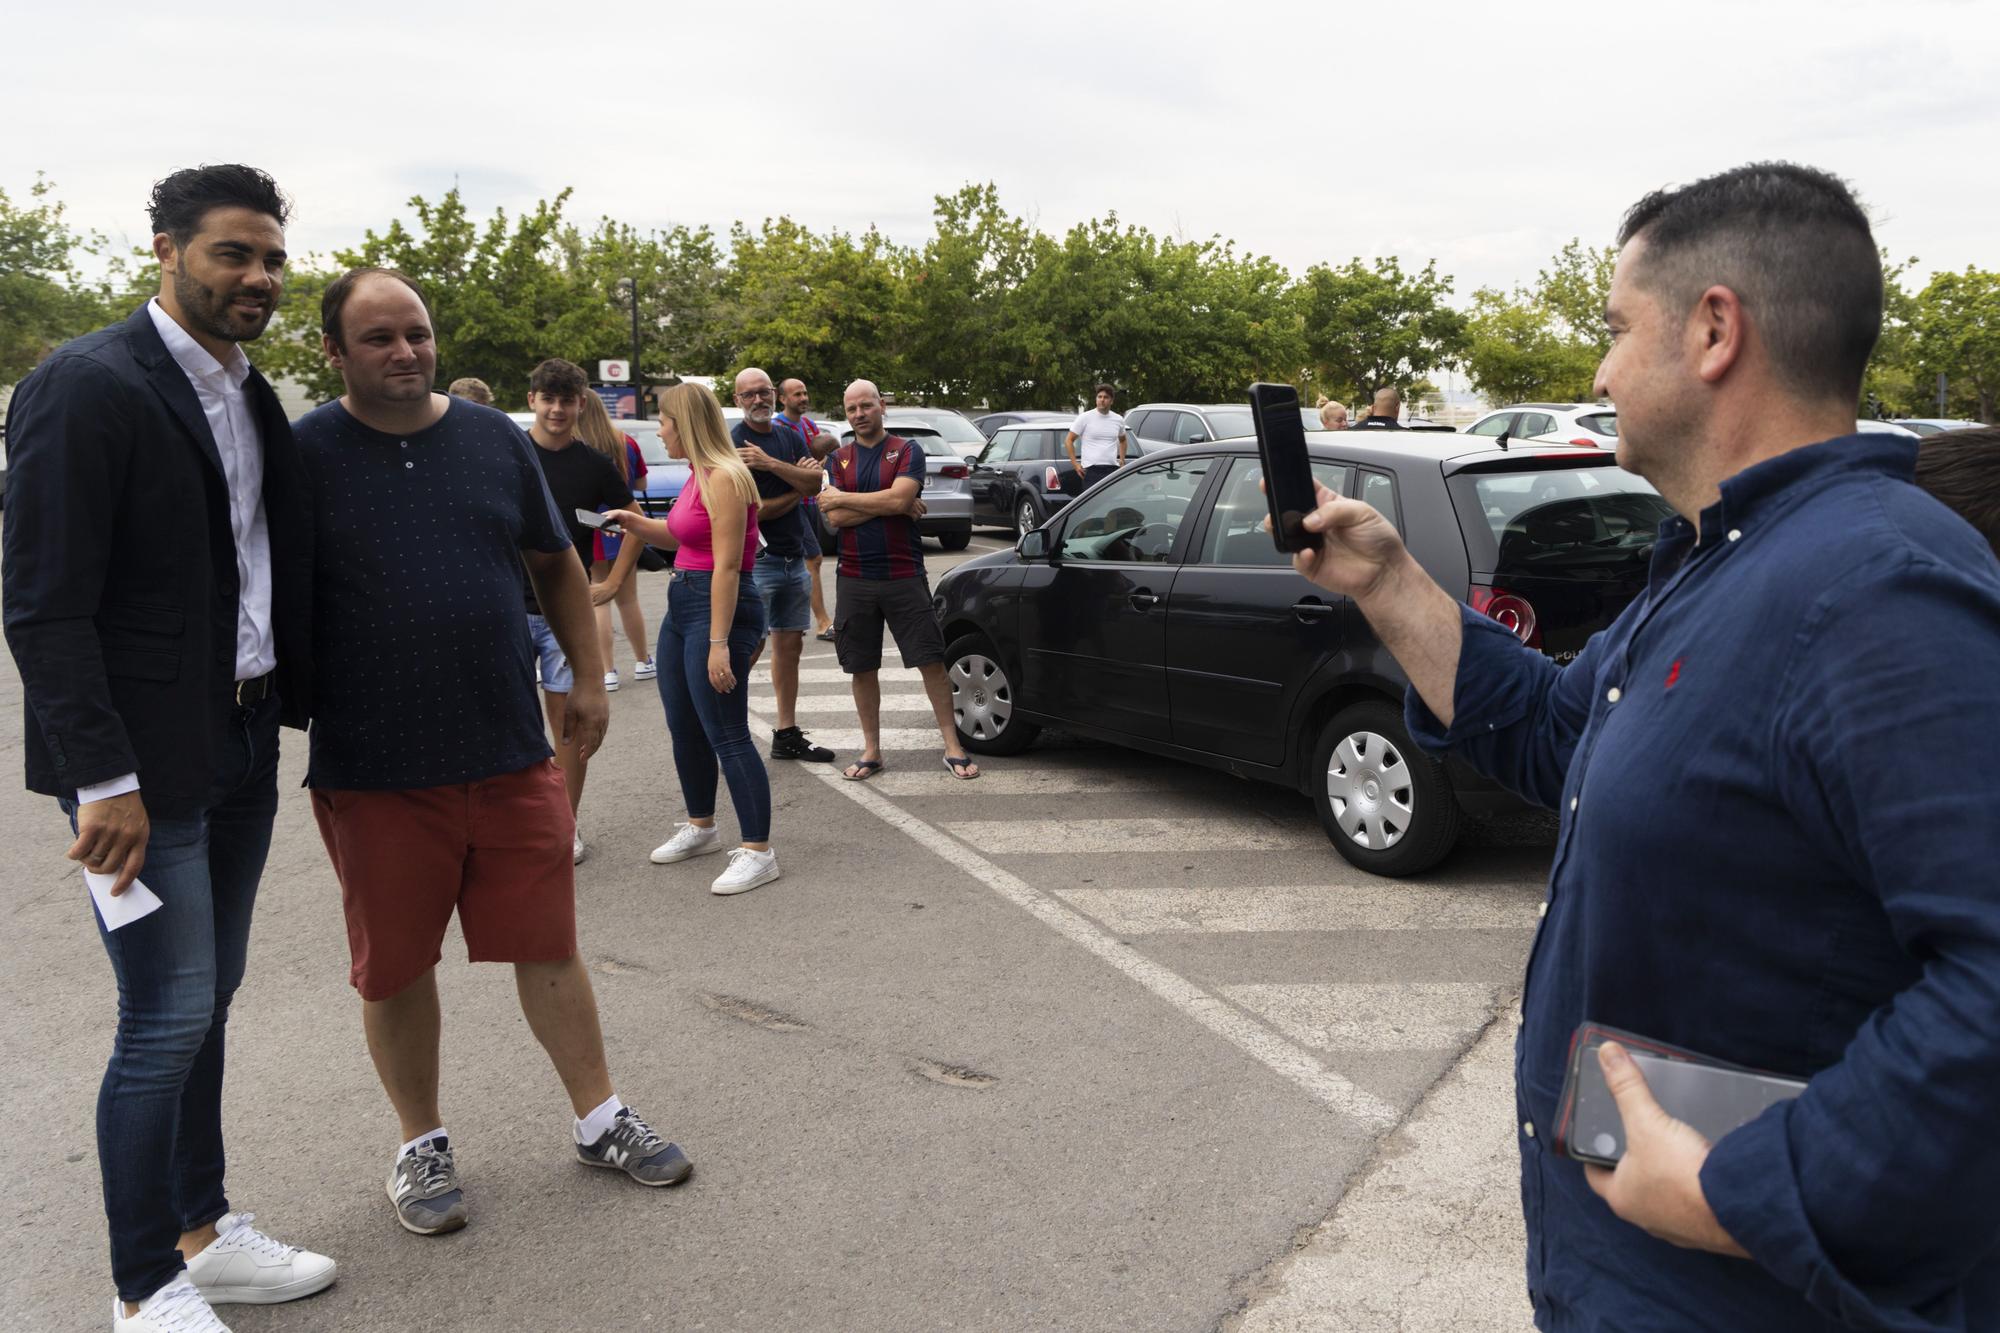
(957, 539)
(1387, 807)
(1027, 516)
(982, 699)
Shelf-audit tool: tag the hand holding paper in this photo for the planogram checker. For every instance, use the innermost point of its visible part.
(127, 907)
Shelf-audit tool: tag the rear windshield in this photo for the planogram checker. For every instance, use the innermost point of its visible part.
(1228, 423)
(1604, 423)
(1575, 522)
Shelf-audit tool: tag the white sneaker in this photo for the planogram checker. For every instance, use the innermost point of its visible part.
(644, 670)
(747, 869)
(246, 1267)
(174, 1308)
(576, 850)
(691, 840)
(610, 681)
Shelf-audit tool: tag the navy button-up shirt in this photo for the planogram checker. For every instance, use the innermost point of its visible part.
(1779, 779)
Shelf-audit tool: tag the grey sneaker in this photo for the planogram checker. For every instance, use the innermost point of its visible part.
(631, 1146)
(423, 1186)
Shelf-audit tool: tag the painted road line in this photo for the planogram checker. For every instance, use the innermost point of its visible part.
(848, 739)
(1282, 1057)
(1355, 905)
(1405, 1016)
(1013, 782)
(839, 705)
(812, 675)
(1008, 837)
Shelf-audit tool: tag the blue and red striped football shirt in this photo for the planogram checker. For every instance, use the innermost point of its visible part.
(887, 547)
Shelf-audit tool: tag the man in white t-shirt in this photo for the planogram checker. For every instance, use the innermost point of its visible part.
(1102, 434)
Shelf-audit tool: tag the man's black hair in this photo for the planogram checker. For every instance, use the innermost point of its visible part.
(183, 199)
(558, 379)
(335, 297)
(1104, 388)
(1962, 469)
(1794, 246)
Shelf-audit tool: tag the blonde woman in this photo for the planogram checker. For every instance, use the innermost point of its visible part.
(715, 622)
(593, 425)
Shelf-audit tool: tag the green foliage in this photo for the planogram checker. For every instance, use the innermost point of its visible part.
(1958, 334)
(1543, 341)
(44, 300)
(1367, 326)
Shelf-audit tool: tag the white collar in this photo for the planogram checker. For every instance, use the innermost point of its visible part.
(192, 356)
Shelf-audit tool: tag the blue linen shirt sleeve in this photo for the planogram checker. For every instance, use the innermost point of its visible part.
(1877, 1190)
(1516, 715)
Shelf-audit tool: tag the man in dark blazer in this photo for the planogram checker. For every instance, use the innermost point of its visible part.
(156, 586)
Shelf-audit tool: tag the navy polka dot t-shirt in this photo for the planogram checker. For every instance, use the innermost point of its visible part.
(423, 671)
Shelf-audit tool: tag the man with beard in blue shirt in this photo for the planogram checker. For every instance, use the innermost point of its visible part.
(1780, 810)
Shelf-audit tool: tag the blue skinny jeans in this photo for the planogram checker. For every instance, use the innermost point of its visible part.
(712, 730)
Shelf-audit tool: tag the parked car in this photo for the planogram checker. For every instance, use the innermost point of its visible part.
(1934, 425)
(1155, 612)
(1868, 427)
(1591, 425)
(664, 476)
(993, 421)
(1023, 476)
(1155, 426)
(952, 427)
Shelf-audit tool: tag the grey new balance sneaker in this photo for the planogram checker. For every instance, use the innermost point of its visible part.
(631, 1146)
(423, 1186)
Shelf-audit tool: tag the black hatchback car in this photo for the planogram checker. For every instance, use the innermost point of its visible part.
(1155, 612)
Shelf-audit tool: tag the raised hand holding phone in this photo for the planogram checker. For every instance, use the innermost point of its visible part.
(1288, 480)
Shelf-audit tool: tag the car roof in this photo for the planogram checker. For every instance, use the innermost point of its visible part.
(1451, 451)
(1949, 423)
(1036, 414)
(1551, 407)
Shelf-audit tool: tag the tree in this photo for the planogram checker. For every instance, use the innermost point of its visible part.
(955, 292)
(1368, 326)
(1958, 335)
(1890, 386)
(1543, 341)
(818, 308)
(44, 300)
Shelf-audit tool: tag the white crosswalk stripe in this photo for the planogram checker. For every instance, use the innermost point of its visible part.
(1349, 900)
(1403, 1016)
(999, 780)
(842, 706)
(833, 675)
(1003, 837)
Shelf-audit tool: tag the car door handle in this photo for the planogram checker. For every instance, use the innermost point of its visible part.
(1311, 609)
(1143, 600)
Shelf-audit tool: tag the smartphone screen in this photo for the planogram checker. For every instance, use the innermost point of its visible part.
(1288, 478)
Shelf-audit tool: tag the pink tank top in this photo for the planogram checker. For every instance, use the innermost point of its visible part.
(688, 521)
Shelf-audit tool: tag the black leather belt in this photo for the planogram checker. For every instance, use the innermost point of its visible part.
(250, 693)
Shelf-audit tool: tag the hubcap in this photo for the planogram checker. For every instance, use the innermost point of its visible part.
(981, 700)
(1368, 783)
(1024, 519)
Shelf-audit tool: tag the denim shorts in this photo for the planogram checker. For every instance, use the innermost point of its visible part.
(556, 677)
(785, 584)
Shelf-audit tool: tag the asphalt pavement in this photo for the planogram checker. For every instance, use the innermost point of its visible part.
(1097, 1041)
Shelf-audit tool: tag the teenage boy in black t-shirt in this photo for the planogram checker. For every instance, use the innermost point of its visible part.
(579, 478)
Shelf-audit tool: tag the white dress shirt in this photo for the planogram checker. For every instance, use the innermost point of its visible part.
(218, 385)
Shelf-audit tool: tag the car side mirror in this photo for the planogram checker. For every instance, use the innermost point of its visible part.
(1034, 545)
(1197, 438)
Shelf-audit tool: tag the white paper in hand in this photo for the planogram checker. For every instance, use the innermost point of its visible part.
(127, 907)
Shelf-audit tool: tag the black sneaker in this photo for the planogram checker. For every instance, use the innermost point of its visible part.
(791, 743)
(631, 1146)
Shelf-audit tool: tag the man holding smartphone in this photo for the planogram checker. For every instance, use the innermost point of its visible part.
(579, 478)
(1747, 867)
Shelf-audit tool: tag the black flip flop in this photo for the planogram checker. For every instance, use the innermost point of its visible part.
(869, 768)
(825, 635)
(958, 767)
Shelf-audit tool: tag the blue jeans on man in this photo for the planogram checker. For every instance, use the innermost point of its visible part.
(159, 1109)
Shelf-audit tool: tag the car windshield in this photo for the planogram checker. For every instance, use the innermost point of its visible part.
(1572, 522)
(953, 427)
(1229, 423)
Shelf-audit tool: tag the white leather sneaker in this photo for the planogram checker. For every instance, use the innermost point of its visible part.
(644, 670)
(243, 1266)
(747, 869)
(610, 681)
(174, 1308)
(689, 840)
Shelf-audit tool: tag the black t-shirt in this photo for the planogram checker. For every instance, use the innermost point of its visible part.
(786, 534)
(579, 478)
(424, 674)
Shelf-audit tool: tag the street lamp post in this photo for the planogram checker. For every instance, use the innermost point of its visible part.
(631, 286)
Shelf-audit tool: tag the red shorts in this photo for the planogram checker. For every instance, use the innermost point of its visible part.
(497, 850)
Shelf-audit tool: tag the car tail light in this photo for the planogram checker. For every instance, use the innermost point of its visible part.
(1585, 443)
(1511, 610)
(955, 470)
(1051, 480)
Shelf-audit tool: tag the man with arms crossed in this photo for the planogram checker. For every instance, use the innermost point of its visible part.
(1102, 435)
(579, 478)
(157, 604)
(432, 781)
(881, 580)
(785, 472)
(1747, 864)
(795, 401)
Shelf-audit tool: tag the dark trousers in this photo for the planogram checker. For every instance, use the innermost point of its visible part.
(712, 730)
(159, 1109)
(1098, 472)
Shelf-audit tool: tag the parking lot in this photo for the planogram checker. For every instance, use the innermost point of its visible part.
(1095, 1041)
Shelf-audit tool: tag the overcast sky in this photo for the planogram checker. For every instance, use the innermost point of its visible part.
(1484, 135)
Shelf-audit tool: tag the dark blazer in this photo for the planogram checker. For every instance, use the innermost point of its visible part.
(119, 579)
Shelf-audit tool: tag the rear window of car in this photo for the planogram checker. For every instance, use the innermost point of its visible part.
(1561, 522)
(1229, 423)
(1604, 423)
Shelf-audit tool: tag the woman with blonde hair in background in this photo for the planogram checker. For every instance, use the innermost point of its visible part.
(714, 626)
(593, 426)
